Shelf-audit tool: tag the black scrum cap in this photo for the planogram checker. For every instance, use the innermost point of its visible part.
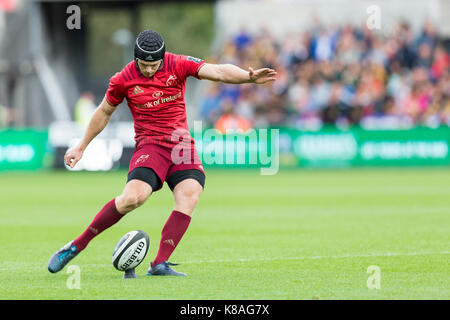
(149, 46)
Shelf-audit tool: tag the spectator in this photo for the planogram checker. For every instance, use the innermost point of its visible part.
(84, 108)
(230, 121)
(336, 75)
(243, 39)
(211, 104)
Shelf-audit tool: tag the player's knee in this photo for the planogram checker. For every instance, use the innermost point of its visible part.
(138, 199)
(131, 201)
(189, 194)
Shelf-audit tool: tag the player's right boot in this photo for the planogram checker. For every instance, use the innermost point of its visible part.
(62, 257)
(163, 269)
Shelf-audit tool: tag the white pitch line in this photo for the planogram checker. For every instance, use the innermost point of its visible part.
(388, 254)
(13, 265)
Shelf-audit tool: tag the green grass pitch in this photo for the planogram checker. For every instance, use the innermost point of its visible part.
(309, 234)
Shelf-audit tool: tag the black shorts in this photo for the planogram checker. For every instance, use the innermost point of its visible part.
(148, 175)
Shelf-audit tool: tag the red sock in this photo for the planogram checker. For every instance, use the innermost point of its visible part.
(171, 235)
(103, 220)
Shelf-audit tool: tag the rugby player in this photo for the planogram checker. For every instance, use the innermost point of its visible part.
(154, 85)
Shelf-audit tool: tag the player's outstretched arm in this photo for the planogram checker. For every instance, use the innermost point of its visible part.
(98, 122)
(229, 73)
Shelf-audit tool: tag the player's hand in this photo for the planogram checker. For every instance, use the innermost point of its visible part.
(261, 76)
(72, 156)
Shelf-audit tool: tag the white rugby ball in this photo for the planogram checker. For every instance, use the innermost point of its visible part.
(131, 250)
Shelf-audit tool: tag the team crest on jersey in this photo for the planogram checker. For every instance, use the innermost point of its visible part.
(137, 90)
(171, 80)
(142, 158)
(157, 94)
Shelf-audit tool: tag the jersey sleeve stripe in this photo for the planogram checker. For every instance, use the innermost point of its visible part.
(124, 76)
(169, 63)
(133, 71)
(129, 74)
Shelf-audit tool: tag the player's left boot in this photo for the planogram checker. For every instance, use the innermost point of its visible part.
(62, 257)
(163, 269)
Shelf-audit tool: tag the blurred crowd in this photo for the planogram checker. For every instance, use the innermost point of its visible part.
(342, 75)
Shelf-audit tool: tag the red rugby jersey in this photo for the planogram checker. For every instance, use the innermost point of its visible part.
(157, 103)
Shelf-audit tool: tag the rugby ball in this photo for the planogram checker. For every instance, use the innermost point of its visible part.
(131, 250)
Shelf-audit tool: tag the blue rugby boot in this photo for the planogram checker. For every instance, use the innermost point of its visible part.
(62, 257)
(163, 269)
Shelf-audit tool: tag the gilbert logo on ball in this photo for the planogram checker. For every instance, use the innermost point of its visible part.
(131, 250)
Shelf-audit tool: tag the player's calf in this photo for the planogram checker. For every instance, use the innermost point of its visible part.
(187, 194)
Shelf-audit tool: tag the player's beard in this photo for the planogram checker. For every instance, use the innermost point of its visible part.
(148, 75)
